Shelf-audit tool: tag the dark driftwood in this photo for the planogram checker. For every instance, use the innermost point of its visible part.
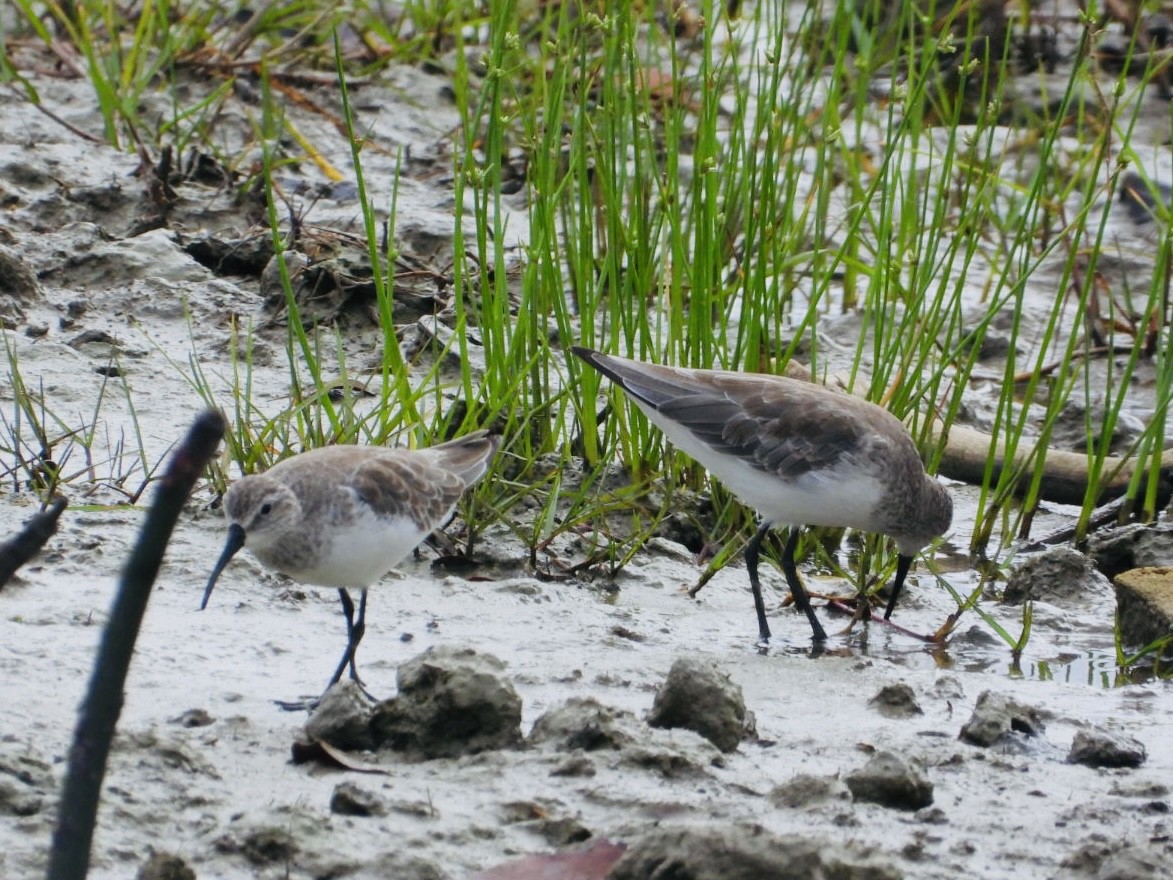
(69, 857)
(28, 542)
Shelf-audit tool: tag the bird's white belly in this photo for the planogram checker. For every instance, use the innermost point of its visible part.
(817, 498)
(361, 552)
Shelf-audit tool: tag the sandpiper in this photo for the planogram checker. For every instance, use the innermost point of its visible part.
(343, 516)
(797, 452)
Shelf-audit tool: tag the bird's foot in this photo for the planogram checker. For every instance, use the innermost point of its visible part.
(308, 704)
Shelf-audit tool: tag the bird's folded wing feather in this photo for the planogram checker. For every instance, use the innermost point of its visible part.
(774, 434)
(407, 486)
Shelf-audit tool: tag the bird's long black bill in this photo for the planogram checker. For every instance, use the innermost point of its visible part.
(903, 564)
(231, 548)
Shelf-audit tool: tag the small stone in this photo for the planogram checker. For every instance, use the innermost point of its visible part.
(342, 718)
(350, 800)
(891, 782)
(699, 696)
(164, 866)
(1099, 747)
(451, 702)
(996, 717)
(896, 701)
(805, 791)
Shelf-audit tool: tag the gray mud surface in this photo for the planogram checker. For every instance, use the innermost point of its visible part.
(202, 763)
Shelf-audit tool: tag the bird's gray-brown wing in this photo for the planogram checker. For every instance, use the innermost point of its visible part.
(404, 483)
(774, 424)
(777, 426)
(468, 457)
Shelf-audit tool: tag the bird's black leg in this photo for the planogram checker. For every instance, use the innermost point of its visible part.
(903, 564)
(354, 633)
(752, 552)
(801, 599)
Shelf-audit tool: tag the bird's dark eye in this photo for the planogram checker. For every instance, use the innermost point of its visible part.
(266, 509)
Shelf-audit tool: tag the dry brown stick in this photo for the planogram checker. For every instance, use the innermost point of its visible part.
(69, 857)
(18, 550)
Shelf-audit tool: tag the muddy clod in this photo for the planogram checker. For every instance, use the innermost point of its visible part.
(164, 866)
(451, 702)
(575, 766)
(1132, 546)
(18, 286)
(996, 718)
(699, 696)
(743, 853)
(889, 780)
(805, 791)
(896, 701)
(265, 845)
(342, 719)
(1099, 747)
(1058, 575)
(350, 800)
(17, 801)
(583, 723)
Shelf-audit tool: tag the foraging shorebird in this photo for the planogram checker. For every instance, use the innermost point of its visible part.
(343, 516)
(797, 452)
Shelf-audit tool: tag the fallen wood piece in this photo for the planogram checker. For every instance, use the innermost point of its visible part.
(1065, 474)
